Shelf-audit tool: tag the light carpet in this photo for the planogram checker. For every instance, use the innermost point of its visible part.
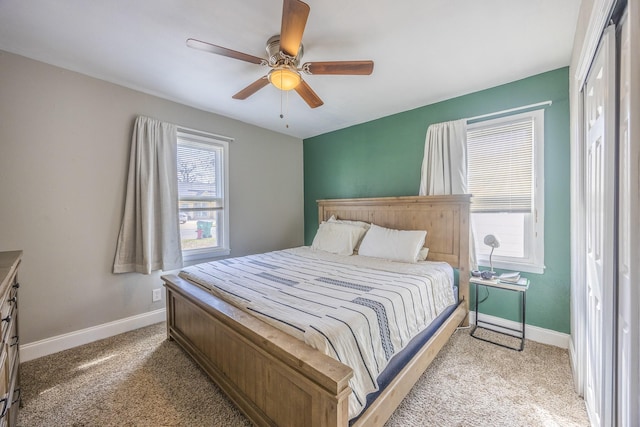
(141, 379)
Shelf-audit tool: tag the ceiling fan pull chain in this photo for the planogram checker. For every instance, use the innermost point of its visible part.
(287, 108)
(281, 113)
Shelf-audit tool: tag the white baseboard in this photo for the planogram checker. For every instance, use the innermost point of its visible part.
(533, 333)
(58, 343)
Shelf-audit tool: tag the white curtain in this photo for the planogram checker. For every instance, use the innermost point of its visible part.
(444, 166)
(150, 233)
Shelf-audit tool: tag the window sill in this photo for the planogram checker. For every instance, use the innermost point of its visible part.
(200, 256)
(513, 266)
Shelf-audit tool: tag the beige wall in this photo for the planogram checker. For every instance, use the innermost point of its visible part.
(64, 148)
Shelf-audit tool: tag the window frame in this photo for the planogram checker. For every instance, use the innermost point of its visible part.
(203, 139)
(533, 261)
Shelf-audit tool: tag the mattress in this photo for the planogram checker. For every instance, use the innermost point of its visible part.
(402, 358)
(361, 311)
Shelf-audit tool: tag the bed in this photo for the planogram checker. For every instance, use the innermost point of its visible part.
(276, 379)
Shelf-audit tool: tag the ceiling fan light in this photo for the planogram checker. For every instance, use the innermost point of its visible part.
(284, 78)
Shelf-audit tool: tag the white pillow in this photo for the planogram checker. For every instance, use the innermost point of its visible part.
(395, 245)
(337, 238)
(423, 254)
(364, 225)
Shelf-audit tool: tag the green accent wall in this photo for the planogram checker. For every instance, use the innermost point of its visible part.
(384, 157)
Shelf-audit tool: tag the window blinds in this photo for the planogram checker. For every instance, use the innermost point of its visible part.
(500, 166)
(199, 175)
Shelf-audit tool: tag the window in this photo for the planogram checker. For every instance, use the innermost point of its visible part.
(202, 192)
(505, 177)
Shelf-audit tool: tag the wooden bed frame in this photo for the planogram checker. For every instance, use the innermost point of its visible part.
(276, 379)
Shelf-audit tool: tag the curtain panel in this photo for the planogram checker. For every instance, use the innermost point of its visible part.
(444, 166)
(149, 236)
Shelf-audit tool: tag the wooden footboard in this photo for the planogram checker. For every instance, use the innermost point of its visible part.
(272, 377)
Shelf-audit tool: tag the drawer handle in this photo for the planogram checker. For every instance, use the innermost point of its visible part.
(17, 285)
(4, 401)
(12, 299)
(7, 319)
(17, 399)
(15, 337)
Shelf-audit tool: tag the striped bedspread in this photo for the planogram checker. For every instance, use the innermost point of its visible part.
(359, 310)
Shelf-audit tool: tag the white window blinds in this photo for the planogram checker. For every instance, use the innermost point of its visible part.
(199, 174)
(500, 166)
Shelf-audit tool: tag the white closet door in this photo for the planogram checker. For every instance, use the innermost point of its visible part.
(629, 229)
(600, 172)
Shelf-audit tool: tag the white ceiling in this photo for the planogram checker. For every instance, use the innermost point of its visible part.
(424, 50)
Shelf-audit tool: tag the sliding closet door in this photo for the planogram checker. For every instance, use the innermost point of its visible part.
(600, 123)
(629, 227)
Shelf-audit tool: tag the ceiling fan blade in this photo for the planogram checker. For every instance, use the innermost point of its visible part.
(309, 96)
(252, 88)
(339, 67)
(219, 50)
(294, 19)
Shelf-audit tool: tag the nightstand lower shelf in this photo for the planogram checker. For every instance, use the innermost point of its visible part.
(482, 324)
(521, 336)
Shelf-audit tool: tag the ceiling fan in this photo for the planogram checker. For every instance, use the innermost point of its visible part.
(285, 52)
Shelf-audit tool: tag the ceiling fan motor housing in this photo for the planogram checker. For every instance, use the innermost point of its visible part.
(277, 57)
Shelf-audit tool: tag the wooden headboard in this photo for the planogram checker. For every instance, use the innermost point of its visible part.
(445, 218)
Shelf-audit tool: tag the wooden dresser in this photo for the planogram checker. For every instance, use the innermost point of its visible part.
(9, 356)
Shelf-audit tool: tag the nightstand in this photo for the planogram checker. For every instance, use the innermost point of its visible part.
(520, 287)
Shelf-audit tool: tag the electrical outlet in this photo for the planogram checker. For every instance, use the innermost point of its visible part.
(156, 295)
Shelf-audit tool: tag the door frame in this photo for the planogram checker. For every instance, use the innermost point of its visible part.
(628, 372)
(595, 24)
(602, 370)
